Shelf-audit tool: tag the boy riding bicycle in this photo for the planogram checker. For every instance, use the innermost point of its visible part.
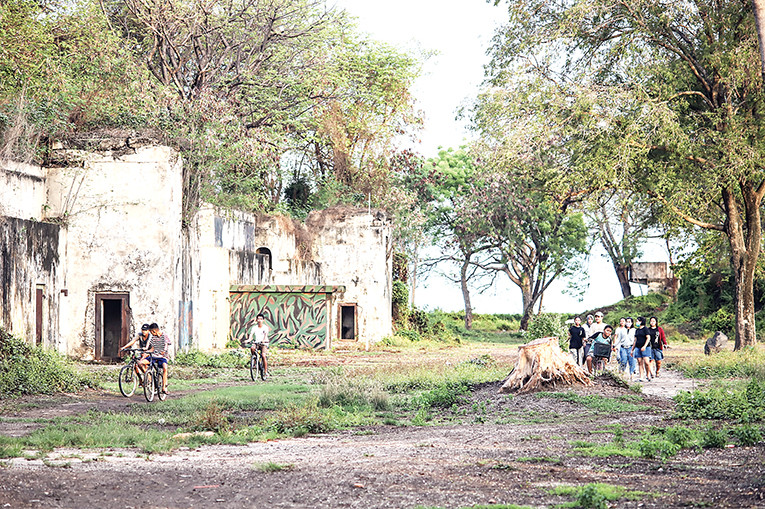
(144, 342)
(259, 341)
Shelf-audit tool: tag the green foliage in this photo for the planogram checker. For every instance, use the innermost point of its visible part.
(592, 498)
(212, 418)
(657, 448)
(747, 434)
(270, 466)
(229, 359)
(712, 438)
(721, 320)
(548, 325)
(350, 393)
(27, 370)
(299, 420)
(745, 363)
(600, 404)
(596, 495)
(743, 404)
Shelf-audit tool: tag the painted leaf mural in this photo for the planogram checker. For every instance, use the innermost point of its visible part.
(297, 315)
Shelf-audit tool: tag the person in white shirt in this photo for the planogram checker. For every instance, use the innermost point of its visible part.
(259, 340)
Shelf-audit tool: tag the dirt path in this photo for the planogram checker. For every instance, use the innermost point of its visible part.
(388, 467)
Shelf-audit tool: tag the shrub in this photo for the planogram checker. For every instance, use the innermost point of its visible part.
(679, 435)
(713, 438)
(591, 498)
(212, 418)
(721, 320)
(299, 420)
(747, 434)
(547, 325)
(28, 370)
(229, 359)
(745, 405)
(658, 448)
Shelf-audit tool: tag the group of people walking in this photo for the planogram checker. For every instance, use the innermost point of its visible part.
(639, 346)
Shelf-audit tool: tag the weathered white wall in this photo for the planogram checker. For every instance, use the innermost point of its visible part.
(22, 190)
(338, 247)
(352, 247)
(124, 236)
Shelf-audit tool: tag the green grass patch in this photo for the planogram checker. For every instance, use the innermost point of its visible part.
(746, 363)
(490, 506)
(270, 466)
(600, 404)
(596, 495)
(540, 459)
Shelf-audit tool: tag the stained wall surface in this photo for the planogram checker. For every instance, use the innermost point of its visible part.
(101, 226)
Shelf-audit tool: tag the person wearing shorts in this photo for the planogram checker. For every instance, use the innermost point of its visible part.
(160, 346)
(603, 337)
(658, 344)
(259, 340)
(641, 349)
(144, 341)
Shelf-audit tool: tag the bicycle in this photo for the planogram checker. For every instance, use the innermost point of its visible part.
(152, 385)
(257, 365)
(601, 354)
(128, 378)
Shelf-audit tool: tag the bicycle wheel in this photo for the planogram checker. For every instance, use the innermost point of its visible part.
(261, 367)
(162, 395)
(128, 380)
(253, 366)
(149, 387)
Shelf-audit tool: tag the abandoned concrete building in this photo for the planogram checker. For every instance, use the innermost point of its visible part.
(95, 245)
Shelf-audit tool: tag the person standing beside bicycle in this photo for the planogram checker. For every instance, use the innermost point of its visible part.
(160, 347)
(143, 344)
(259, 341)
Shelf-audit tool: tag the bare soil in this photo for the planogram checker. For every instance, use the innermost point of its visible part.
(493, 449)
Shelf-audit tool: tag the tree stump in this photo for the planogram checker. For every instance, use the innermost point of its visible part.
(542, 364)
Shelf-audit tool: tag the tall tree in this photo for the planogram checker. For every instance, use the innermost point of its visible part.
(691, 120)
(621, 220)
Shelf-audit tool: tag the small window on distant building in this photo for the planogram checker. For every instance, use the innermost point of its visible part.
(347, 321)
(266, 251)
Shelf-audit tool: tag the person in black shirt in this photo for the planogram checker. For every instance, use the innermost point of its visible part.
(576, 337)
(641, 349)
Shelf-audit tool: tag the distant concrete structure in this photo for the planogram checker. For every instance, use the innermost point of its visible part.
(658, 276)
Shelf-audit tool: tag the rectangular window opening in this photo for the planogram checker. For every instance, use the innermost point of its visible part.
(348, 322)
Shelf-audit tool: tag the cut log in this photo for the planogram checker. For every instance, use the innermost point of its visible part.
(541, 365)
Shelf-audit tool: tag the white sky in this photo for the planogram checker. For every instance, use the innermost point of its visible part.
(460, 31)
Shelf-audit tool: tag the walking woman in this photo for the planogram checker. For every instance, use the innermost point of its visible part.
(641, 350)
(658, 343)
(625, 338)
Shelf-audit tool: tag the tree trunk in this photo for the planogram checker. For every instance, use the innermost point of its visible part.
(758, 6)
(466, 293)
(745, 250)
(528, 303)
(623, 274)
(542, 364)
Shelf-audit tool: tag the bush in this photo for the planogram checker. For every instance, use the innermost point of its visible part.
(746, 405)
(28, 370)
(721, 320)
(713, 438)
(747, 434)
(658, 448)
(547, 325)
(229, 359)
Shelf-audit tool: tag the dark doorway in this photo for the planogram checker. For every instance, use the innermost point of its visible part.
(348, 321)
(112, 321)
(39, 301)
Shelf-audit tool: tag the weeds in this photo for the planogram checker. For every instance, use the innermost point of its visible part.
(745, 405)
(600, 404)
(34, 370)
(597, 495)
(747, 363)
(270, 466)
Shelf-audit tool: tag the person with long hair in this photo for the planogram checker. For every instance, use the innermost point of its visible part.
(658, 343)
